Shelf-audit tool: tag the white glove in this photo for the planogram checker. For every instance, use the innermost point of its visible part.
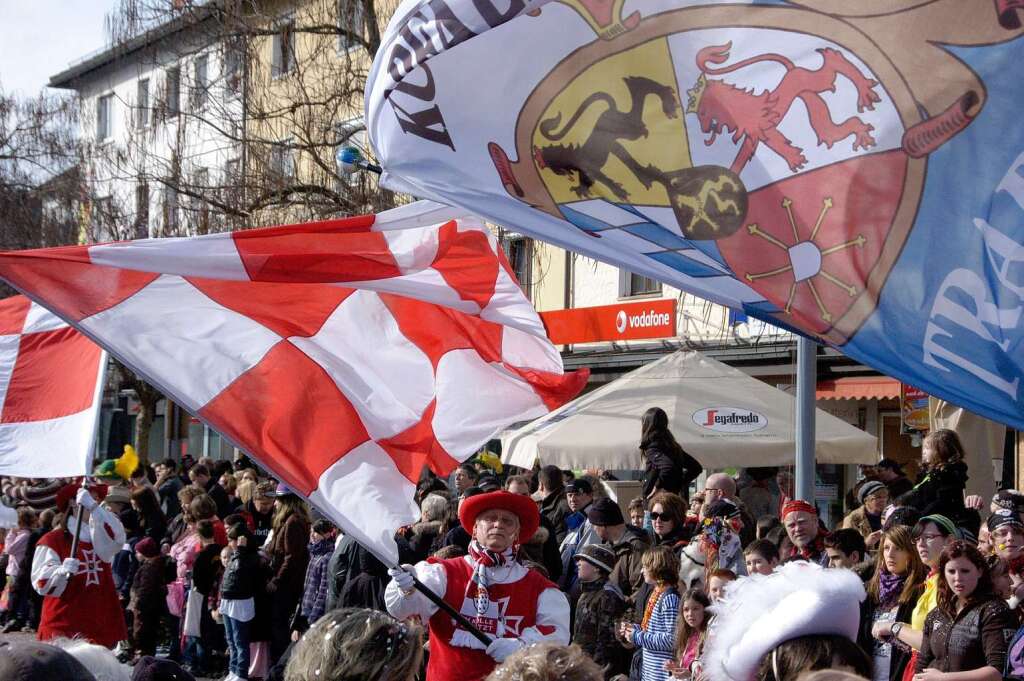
(403, 578)
(501, 648)
(70, 566)
(85, 499)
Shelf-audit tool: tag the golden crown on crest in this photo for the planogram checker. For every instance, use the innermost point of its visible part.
(695, 94)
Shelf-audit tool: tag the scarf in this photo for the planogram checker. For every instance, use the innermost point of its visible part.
(659, 591)
(485, 558)
(889, 588)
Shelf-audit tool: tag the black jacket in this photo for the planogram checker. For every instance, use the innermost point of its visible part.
(664, 471)
(242, 573)
(940, 490)
(600, 607)
(555, 508)
(220, 497)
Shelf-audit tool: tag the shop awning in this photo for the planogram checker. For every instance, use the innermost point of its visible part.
(859, 388)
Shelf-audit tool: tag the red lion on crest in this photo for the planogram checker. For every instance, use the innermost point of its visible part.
(754, 118)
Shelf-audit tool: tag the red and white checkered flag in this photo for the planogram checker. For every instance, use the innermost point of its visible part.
(343, 355)
(50, 384)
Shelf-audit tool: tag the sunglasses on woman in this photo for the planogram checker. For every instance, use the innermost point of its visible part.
(661, 516)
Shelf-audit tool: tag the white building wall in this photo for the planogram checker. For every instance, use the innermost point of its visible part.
(116, 163)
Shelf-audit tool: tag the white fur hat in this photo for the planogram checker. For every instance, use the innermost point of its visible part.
(761, 611)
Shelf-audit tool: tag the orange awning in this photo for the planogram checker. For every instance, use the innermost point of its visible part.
(859, 388)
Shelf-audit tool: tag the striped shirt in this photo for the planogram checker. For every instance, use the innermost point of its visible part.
(659, 640)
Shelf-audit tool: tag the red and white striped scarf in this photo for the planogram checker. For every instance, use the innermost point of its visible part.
(485, 558)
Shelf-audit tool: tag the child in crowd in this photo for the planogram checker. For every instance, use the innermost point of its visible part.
(601, 604)
(237, 605)
(206, 569)
(16, 550)
(314, 594)
(148, 601)
(717, 582)
(691, 632)
(636, 512)
(761, 557)
(655, 635)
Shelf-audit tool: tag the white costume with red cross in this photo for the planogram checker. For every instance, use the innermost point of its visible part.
(518, 604)
(84, 604)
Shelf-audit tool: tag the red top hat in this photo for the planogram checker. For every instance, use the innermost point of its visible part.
(522, 506)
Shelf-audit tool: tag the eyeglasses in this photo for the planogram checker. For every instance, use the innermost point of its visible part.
(928, 537)
(660, 516)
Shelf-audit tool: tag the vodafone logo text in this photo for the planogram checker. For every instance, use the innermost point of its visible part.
(644, 320)
(729, 419)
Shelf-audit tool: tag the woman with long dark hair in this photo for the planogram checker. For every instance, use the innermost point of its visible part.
(892, 594)
(667, 467)
(289, 557)
(152, 522)
(965, 637)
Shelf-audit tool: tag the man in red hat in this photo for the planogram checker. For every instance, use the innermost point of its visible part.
(806, 537)
(79, 598)
(515, 606)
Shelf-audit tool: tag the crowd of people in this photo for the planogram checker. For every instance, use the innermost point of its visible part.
(533, 574)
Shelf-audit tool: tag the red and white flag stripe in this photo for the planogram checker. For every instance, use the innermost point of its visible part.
(51, 378)
(343, 355)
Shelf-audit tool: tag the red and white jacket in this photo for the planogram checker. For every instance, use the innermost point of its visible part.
(523, 605)
(84, 604)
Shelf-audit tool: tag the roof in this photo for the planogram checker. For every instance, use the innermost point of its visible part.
(859, 388)
(69, 77)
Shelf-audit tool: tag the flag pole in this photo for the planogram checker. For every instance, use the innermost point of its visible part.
(78, 521)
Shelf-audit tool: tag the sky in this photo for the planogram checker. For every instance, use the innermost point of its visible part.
(41, 37)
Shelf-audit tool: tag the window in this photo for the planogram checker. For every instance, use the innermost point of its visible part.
(282, 161)
(631, 284)
(284, 49)
(142, 104)
(351, 20)
(173, 92)
(202, 82)
(103, 122)
(170, 210)
(234, 58)
(142, 211)
(520, 256)
(232, 191)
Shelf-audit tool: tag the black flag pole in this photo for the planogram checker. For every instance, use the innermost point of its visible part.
(455, 614)
(78, 521)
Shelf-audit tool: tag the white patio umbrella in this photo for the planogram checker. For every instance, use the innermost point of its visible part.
(720, 415)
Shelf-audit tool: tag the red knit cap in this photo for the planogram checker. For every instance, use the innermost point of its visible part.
(798, 505)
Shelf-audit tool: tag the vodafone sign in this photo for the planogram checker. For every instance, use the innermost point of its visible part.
(628, 321)
(729, 419)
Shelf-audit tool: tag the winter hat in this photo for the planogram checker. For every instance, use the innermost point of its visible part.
(604, 512)
(797, 505)
(282, 490)
(762, 611)
(32, 661)
(599, 556)
(147, 547)
(580, 486)
(1010, 499)
(149, 668)
(869, 488)
(1003, 517)
(118, 494)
